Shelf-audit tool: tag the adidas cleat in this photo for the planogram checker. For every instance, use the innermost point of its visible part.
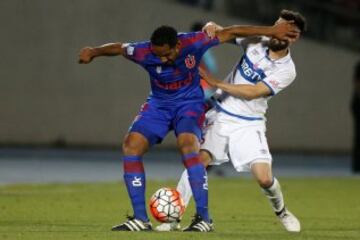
(133, 225)
(199, 225)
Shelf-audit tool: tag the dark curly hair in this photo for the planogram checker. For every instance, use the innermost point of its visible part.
(164, 35)
(299, 20)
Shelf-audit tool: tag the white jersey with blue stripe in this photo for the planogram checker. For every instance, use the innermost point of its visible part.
(256, 66)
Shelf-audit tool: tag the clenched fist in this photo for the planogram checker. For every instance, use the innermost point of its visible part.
(86, 55)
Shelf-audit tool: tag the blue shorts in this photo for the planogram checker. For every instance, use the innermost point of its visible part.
(154, 122)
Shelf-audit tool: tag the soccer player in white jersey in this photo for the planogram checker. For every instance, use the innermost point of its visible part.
(236, 127)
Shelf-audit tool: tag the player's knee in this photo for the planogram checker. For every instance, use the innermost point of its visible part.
(188, 147)
(187, 144)
(133, 146)
(265, 182)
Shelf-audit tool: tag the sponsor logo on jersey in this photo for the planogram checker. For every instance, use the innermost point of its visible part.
(190, 61)
(158, 69)
(249, 71)
(173, 85)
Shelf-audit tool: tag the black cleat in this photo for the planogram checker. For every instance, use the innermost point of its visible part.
(199, 225)
(133, 225)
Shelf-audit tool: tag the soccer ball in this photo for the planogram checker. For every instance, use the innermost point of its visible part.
(166, 205)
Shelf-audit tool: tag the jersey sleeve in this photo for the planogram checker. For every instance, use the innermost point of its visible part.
(136, 52)
(202, 41)
(278, 81)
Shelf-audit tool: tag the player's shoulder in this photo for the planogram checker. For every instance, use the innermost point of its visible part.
(140, 45)
(187, 35)
(289, 65)
(286, 70)
(194, 40)
(137, 50)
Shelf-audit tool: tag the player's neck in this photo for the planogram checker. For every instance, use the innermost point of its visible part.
(275, 55)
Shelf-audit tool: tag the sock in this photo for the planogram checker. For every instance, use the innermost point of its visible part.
(184, 188)
(134, 177)
(275, 196)
(198, 182)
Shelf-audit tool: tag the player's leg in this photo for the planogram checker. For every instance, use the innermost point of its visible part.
(134, 147)
(272, 190)
(249, 151)
(185, 191)
(148, 128)
(189, 147)
(270, 185)
(188, 123)
(212, 145)
(183, 185)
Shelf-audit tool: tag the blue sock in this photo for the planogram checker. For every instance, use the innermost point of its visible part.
(134, 177)
(198, 182)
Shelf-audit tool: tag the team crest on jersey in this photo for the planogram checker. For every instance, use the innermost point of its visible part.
(190, 61)
(158, 69)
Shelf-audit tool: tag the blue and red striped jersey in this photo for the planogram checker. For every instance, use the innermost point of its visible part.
(178, 82)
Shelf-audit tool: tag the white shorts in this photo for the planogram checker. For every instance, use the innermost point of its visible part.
(242, 144)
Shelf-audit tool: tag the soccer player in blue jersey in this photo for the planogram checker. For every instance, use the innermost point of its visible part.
(176, 102)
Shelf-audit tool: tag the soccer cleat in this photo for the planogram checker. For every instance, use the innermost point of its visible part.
(289, 221)
(133, 225)
(168, 227)
(199, 225)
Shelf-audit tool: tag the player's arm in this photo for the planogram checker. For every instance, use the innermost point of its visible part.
(284, 30)
(245, 91)
(87, 54)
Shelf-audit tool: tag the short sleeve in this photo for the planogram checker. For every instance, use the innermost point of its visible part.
(278, 81)
(201, 41)
(136, 52)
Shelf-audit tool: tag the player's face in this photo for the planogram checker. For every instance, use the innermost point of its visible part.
(276, 44)
(166, 53)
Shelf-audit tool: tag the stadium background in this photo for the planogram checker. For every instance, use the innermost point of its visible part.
(47, 98)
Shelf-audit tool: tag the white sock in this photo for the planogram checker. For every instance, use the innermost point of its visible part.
(184, 188)
(275, 196)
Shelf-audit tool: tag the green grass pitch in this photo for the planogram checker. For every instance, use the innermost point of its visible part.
(328, 208)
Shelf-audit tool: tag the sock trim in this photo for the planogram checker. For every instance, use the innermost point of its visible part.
(133, 164)
(132, 158)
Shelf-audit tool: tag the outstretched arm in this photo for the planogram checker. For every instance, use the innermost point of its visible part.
(87, 54)
(285, 30)
(245, 91)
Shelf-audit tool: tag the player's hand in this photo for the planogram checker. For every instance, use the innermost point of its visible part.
(86, 55)
(286, 30)
(210, 29)
(209, 79)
